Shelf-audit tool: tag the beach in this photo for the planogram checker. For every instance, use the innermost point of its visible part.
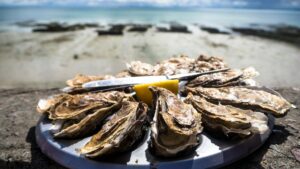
(41, 47)
(46, 60)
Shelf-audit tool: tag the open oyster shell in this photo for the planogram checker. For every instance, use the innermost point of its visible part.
(176, 125)
(120, 133)
(245, 97)
(79, 115)
(229, 120)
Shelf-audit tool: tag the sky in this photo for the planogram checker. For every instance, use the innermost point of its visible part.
(292, 4)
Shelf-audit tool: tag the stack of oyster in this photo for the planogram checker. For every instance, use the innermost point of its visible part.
(227, 103)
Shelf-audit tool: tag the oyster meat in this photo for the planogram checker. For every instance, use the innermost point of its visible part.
(176, 125)
(124, 129)
(79, 115)
(229, 120)
(245, 97)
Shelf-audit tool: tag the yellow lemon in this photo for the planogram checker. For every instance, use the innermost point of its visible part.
(143, 93)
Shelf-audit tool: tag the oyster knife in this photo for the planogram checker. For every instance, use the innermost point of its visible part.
(129, 81)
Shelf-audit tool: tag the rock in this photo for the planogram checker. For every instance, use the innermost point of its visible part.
(174, 27)
(213, 30)
(75, 57)
(179, 28)
(277, 32)
(162, 29)
(51, 27)
(296, 153)
(139, 28)
(62, 27)
(113, 30)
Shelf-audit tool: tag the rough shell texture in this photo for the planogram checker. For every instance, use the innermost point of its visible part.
(138, 68)
(204, 63)
(227, 119)
(66, 106)
(176, 125)
(245, 97)
(176, 65)
(79, 115)
(84, 125)
(120, 133)
(79, 79)
(216, 79)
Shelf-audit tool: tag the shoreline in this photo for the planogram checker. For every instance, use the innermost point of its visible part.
(280, 32)
(48, 59)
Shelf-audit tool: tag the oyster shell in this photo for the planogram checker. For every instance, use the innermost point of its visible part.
(204, 63)
(216, 79)
(120, 133)
(176, 125)
(174, 65)
(245, 97)
(79, 115)
(231, 77)
(66, 106)
(138, 68)
(227, 119)
(79, 79)
(122, 74)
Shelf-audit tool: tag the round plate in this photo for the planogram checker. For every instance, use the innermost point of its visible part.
(212, 152)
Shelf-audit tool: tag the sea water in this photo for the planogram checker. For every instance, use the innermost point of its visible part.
(210, 17)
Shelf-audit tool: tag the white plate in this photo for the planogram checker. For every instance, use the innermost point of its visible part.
(211, 153)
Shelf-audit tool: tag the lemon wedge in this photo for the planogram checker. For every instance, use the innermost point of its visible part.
(143, 93)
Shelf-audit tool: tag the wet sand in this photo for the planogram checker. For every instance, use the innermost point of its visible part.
(46, 60)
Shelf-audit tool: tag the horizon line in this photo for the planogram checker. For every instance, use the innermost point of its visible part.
(151, 7)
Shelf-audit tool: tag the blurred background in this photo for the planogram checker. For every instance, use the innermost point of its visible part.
(43, 43)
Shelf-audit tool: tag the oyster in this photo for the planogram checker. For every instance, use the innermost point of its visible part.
(231, 77)
(65, 106)
(176, 125)
(216, 79)
(120, 133)
(79, 115)
(245, 80)
(80, 79)
(229, 120)
(245, 97)
(175, 65)
(138, 68)
(204, 63)
(122, 74)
